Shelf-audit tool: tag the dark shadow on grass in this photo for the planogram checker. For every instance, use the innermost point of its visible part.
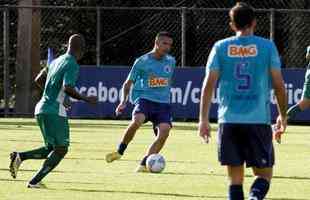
(54, 171)
(58, 182)
(167, 173)
(145, 193)
(281, 198)
(17, 128)
(35, 141)
(19, 140)
(164, 194)
(129, 192)
(18, 123)
(76, 158)
(170, 161)
(11, 180)
(224, 175)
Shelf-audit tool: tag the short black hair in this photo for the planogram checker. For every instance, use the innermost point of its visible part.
(164, 34)
(242, 15)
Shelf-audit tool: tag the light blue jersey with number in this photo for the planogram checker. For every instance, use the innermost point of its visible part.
(244, 64)
(152, 78)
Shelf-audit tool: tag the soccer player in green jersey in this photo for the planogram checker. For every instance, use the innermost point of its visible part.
(304, 103)
(50, 112)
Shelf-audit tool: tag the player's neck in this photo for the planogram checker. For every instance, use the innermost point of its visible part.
(157, 55)
(71, 53)
(245, 32)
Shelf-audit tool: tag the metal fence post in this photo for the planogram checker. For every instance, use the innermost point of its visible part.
(183, 38)
(6, 64)
(272, 22)
(98, 43)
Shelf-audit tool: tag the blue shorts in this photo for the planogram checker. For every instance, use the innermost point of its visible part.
(155, 112)
(249, 143)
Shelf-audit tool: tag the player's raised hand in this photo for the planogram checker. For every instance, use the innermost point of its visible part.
(204, 131)
(279, 128)
(120, 108)
(92, 99)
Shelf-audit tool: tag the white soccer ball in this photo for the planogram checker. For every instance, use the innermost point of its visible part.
(155, 163)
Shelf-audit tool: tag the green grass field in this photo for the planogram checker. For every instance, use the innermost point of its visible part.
(192, 170)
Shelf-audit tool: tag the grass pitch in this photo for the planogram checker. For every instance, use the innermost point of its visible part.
(192, 170)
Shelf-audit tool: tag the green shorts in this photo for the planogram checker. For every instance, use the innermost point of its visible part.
(54, 129)
(306, 89)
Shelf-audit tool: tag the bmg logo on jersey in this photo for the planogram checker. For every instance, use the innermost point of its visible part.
(158, 82)
(242, 51)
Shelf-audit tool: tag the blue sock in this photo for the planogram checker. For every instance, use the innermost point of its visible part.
(235, 192)
(121, 148)
(259, 189)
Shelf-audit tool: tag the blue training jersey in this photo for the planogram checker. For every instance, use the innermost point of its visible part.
(152, 78)
(244, 64)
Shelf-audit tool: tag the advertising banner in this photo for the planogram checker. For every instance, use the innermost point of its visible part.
(106, 83)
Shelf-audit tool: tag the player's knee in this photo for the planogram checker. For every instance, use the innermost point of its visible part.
(263, 173)
(164, 131)
(61, 150)
(165, 128)
(137, 122)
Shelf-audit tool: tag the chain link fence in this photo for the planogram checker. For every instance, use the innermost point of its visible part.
(1, 61)
(116, 36)
(206, 27)
(127, 34)
(58, 24)
(292, 36)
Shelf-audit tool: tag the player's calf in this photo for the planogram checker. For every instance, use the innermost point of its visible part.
(129, 134)
(260, 187)
(162, 136)
(236, 177)
(157, 145)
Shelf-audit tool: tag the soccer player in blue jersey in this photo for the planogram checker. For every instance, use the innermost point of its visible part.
(304, 103)
(246, 68)
(150, 78)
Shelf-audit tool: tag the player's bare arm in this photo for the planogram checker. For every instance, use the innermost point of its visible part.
(281, 96)
(74, 94)
(205, 102)
(125, 93)
(40, 78)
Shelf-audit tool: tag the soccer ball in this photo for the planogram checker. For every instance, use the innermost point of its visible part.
(155, 163)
